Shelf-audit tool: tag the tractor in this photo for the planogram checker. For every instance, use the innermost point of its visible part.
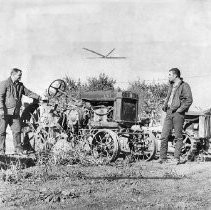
(106, 120)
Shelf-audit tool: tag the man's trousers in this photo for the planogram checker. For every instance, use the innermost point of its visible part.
(172, 121)
(14, 122)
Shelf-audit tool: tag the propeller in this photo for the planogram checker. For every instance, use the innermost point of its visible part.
(104, 56)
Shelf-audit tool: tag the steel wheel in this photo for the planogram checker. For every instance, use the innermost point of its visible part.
(105, 146)
(189, 148)
(150, 146)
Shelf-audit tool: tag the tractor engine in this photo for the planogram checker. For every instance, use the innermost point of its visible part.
(86, 116)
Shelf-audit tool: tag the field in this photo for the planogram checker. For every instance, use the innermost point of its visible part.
(122, 185)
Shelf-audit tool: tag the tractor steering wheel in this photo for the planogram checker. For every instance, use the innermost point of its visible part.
(57, 87)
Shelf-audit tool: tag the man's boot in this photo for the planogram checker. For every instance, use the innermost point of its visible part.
(161, 161)
(19, 151)
(178, 161)
(2, 152)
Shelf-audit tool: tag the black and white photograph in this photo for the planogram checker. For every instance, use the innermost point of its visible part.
(105, 104)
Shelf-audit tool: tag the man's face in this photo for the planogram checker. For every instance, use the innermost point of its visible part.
(172, 77)
(17, 76)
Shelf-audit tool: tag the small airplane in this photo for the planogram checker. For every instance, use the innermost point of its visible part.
(107, 56)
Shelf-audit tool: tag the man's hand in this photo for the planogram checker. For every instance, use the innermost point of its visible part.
(37, 100)
(44, 99)
(40, 98)
(178, 111)
(1, 112)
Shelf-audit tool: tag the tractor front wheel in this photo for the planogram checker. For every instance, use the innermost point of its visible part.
(105, 146)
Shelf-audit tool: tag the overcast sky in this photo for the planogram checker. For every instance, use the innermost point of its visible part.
(45, 39)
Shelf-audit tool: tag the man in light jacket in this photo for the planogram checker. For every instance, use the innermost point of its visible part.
(178, 101)
(11, 91)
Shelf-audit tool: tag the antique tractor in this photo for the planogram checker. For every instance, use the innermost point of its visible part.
(196, 136)
(106, 120)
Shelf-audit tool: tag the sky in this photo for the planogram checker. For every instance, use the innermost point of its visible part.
(45, 40)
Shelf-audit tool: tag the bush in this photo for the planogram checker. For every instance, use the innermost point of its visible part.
(103, 82)
(151, 96)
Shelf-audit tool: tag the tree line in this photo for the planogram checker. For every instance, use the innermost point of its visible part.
(151, 95)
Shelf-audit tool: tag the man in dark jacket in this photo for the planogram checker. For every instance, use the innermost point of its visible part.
(178, 101)
(11, 91)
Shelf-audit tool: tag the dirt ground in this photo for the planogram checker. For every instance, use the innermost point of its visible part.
(140, 185)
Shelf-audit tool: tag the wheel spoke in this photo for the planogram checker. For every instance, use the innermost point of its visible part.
(104, 144)
(58, 85)
(148, 148)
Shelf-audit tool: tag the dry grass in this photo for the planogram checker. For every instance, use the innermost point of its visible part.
(139, 185)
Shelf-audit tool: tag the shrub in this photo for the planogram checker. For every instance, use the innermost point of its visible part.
(151, 96)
